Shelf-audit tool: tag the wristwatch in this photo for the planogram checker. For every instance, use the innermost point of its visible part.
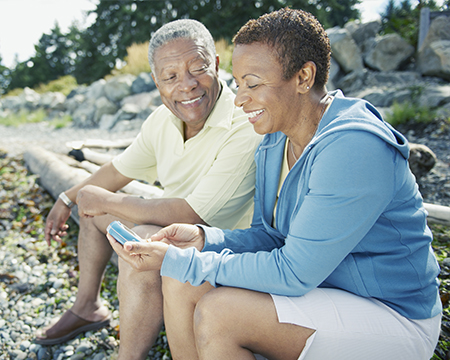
(65, 199)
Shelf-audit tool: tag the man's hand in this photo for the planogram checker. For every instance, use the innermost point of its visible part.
(182, 236)
(90, 200)
(142, 256)
(55, 225)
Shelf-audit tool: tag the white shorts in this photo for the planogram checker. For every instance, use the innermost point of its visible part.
(352, 327)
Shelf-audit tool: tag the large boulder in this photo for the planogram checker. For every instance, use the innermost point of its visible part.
(421, 160)
(29, 99)
(103, 106)
(83, 116)
(143, 83)
(53, 101)
(434, 55)
(96, 90)
(344, 50)
(387, 53)
(119, 87)
(434, 59)
(361, 32)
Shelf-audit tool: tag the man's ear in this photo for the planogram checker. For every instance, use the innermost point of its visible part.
(154, 80)
(217, 63)
(306, 77)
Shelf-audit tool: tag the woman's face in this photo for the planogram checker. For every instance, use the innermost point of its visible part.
(270, 102)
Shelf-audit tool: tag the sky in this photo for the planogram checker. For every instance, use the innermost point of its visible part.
(22, 22)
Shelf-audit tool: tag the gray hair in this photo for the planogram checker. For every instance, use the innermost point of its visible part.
(180, 29)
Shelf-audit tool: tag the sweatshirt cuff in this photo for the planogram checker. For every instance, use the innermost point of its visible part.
(214, 239)
(176, 262)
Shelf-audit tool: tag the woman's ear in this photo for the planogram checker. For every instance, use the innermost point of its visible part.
(306, 77)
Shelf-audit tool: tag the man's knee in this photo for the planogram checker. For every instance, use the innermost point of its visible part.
(145, 231)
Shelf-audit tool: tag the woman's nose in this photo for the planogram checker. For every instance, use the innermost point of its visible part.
(241, 98)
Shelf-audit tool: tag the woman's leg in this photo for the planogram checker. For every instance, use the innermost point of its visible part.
(231, 323)
(179, 305)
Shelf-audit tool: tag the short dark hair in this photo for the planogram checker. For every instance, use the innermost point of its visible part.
(296, 36)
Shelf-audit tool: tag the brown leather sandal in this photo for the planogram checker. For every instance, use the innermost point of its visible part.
(67, 327)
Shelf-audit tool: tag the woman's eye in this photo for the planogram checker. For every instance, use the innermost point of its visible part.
(252, 86)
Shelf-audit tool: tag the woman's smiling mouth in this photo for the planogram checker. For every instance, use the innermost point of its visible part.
(254, 115)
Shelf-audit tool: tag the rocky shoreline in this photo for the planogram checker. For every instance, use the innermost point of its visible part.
(38, 282)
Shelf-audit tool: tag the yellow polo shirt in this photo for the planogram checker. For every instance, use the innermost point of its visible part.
(214, 170)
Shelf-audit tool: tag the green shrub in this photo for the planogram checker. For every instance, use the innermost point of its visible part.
(64, 84)
(409, 112)
(225, 52)
(23, 117)
(61, 122)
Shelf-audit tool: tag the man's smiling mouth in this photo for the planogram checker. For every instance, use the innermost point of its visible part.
(187, 102)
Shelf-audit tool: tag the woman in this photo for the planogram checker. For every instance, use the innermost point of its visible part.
(339, 237)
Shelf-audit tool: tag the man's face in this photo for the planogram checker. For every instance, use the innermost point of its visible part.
(187, 78)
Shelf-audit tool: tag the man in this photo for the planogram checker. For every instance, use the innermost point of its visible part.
(201, 149)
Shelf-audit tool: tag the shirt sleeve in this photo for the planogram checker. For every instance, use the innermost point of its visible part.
(228, 186)
(138, 161)
(349, 186)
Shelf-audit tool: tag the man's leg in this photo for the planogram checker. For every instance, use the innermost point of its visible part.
(141, 306)
(94, 253)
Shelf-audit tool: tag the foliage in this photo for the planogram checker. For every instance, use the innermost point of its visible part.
(64, 84)
(54, 58)
(136, 60)
(27, 117)
(441, 247)
(404, 19)
(409, 112)
(225, 51)
(93, 53)
(23, 117)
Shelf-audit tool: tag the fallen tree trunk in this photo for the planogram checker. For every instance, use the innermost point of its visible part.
(57, 176)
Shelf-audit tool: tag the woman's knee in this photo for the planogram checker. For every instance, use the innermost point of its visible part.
(212, 313)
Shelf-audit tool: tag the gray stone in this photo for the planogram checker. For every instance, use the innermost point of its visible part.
(142, 100)
(360, 32)
(344, 50)
(84, 115)
(439, 30)
(143, 83)
(387, 52)
(434, 59)
(421, 160)
(96, 90)
(104, 106)
(435, 96)
(119, 87)
(74, 102)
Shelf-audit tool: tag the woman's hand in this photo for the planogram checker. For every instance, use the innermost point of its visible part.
(182, 236)
(142, 256)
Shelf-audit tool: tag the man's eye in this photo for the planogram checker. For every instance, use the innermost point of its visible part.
(199, 70)
(169, 78)
(252, 86)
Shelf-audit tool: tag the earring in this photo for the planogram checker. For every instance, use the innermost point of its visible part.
(307, 87)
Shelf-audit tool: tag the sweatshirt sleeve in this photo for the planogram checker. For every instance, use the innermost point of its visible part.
(350, 184)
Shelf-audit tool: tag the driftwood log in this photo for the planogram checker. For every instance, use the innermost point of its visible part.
(56, 175)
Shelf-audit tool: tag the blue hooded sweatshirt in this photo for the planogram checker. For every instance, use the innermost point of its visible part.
(349, 216)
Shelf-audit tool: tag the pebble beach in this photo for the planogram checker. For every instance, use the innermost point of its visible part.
(38, 282)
